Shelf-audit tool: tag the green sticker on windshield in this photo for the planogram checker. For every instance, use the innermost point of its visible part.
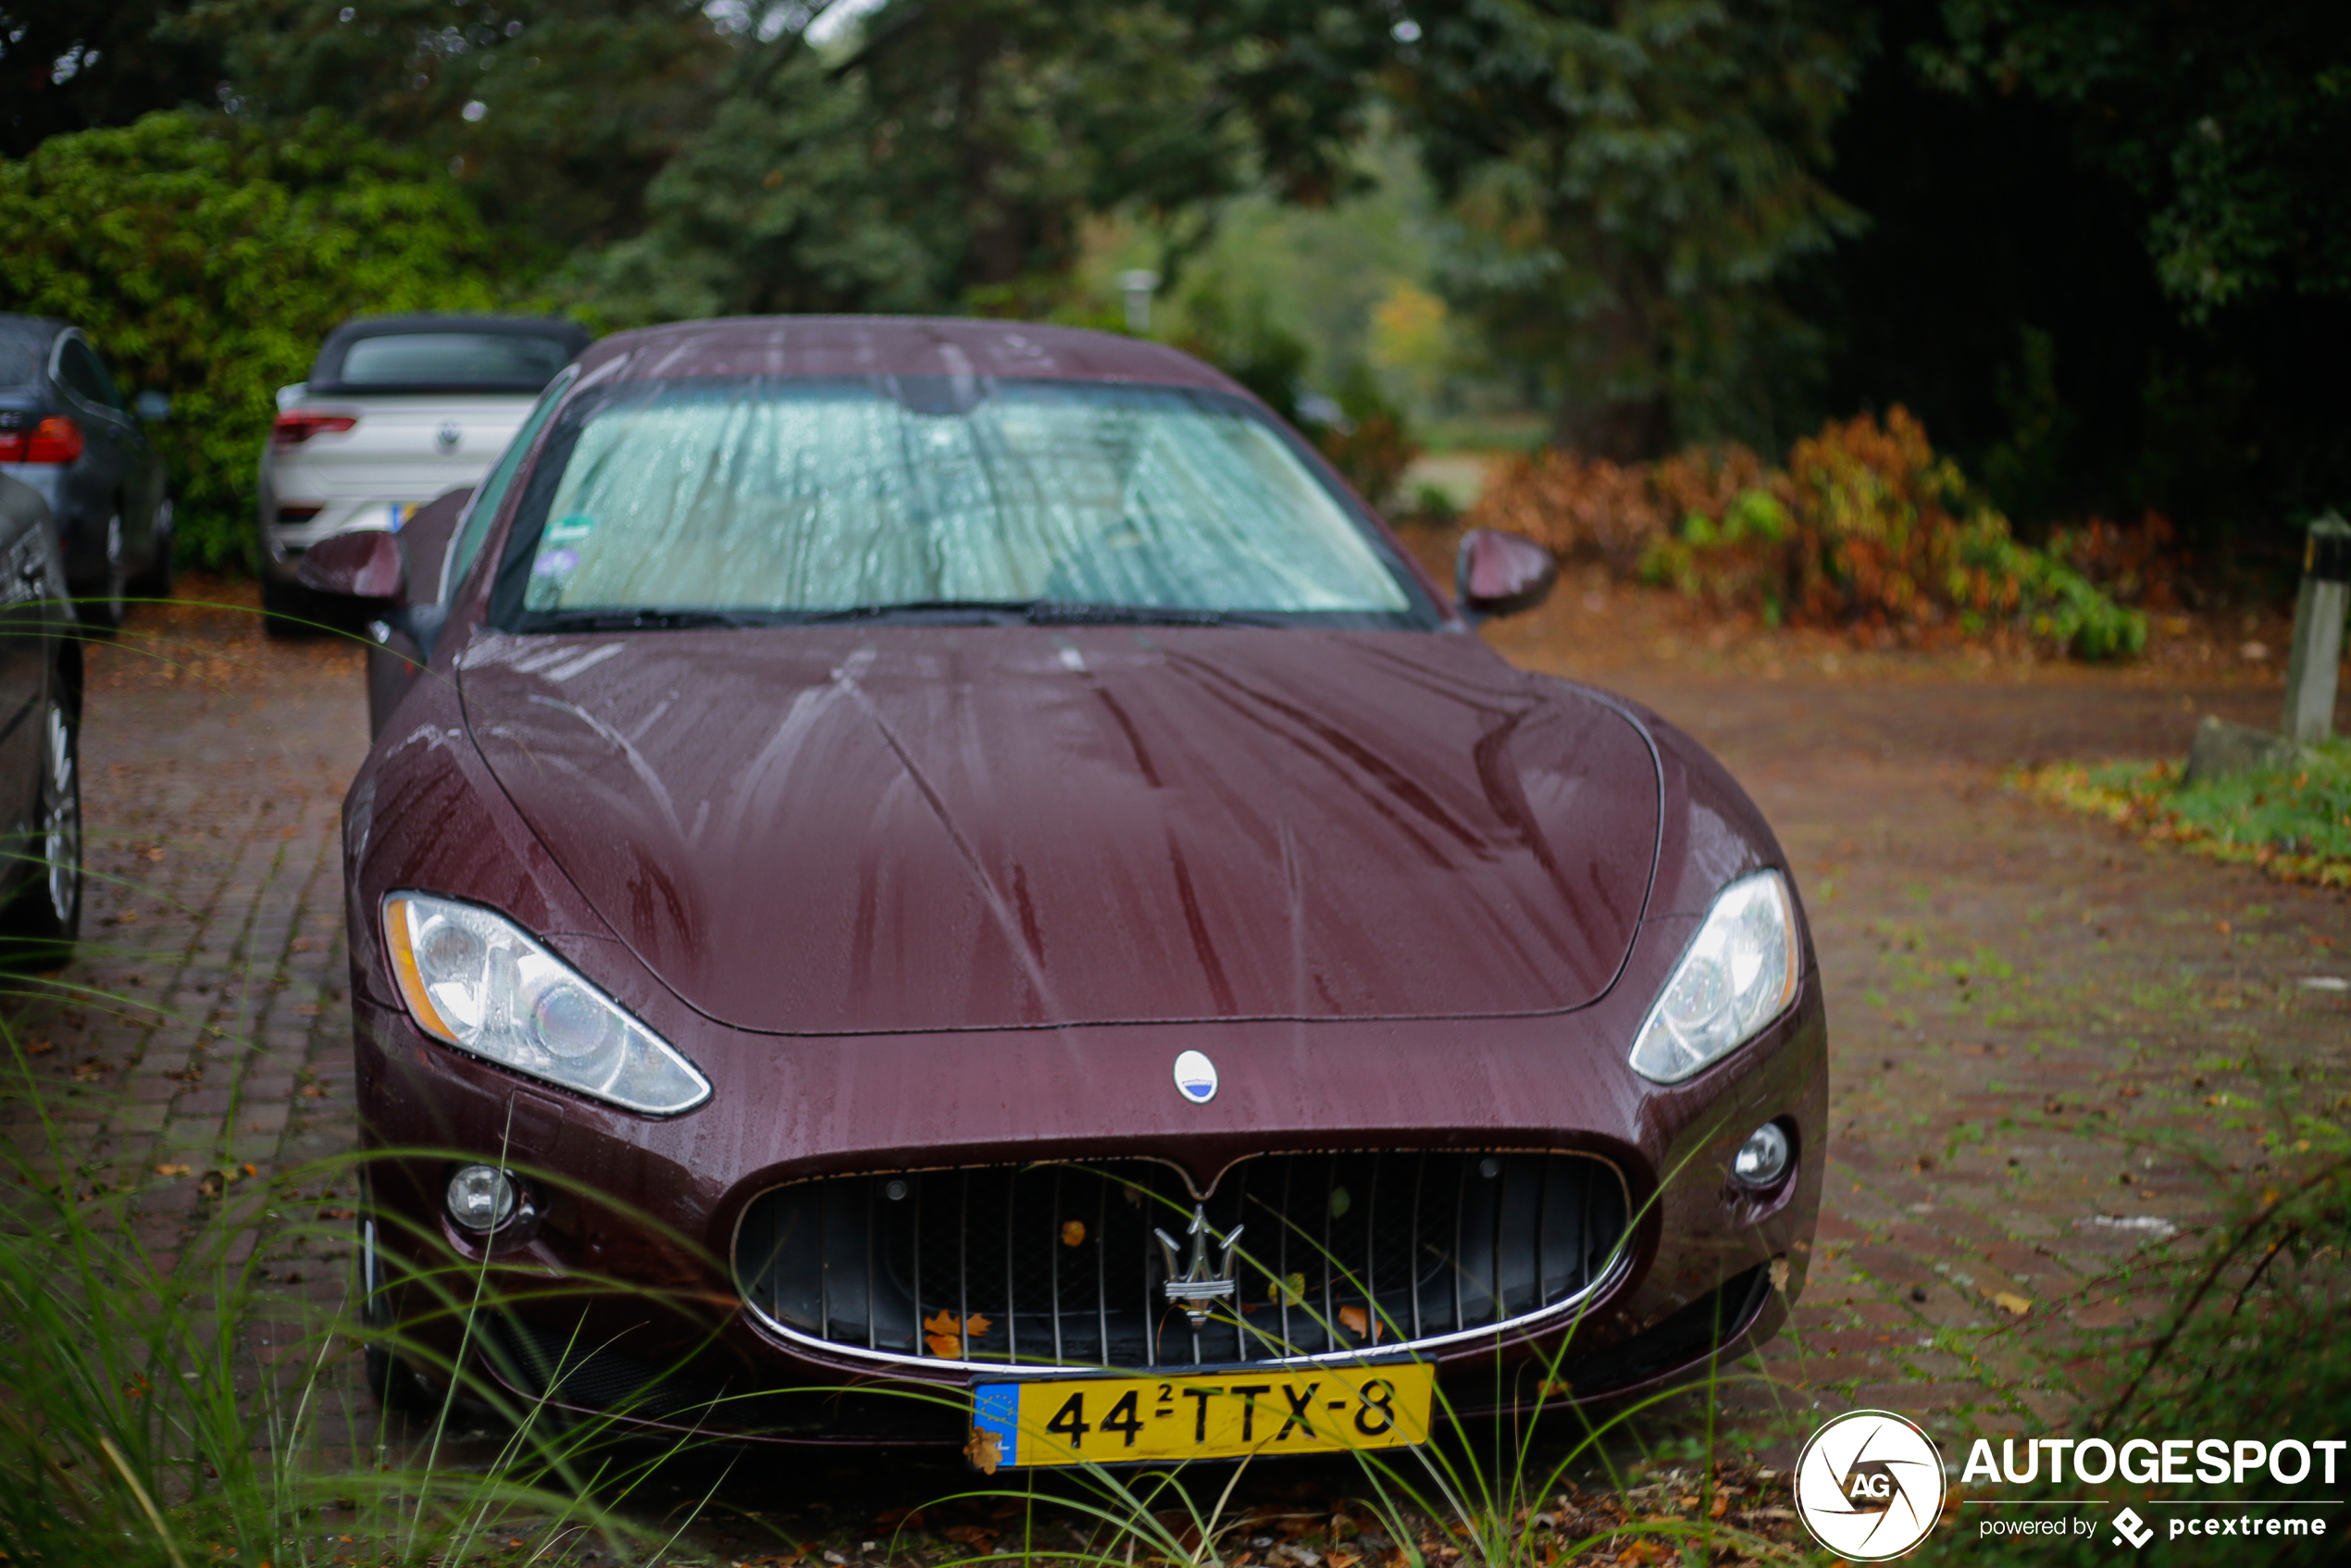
(570, 529)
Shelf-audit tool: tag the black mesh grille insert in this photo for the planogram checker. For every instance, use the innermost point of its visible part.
(1064, 1263)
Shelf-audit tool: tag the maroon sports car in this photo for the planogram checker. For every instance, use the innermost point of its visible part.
(956, 858)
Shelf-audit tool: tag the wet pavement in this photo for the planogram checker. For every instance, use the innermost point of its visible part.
(2023, 1004)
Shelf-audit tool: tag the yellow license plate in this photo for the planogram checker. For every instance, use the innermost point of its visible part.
(1202, 1414)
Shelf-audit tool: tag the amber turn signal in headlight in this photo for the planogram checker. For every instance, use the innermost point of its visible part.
(478, 982)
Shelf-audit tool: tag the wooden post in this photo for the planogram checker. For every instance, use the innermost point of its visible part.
(2318, 632)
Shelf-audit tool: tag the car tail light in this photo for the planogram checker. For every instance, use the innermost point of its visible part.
(298, 425)
(54, 440)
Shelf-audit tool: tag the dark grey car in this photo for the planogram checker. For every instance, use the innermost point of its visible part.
(40, 739)
(67, 432)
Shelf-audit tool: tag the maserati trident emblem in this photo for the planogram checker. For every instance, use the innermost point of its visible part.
(1198, 1286)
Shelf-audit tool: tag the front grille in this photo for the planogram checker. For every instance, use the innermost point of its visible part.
(1058, 1264)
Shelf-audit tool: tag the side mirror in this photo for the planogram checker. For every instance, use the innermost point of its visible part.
(363, 564)
(1500, 574)
(152, 406)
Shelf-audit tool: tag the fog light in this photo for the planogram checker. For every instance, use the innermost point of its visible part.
(1762, 1159)
(481, 1198)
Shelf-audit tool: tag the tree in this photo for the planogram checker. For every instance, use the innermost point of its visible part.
(206, 257)
(71, 65)
(553, 114)
(2229, 122)
(946, 155)
(1631, 181)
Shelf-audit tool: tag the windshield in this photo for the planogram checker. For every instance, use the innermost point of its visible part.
(453, 361)
(771, 499)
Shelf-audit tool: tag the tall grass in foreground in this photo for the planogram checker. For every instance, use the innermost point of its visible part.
(2252, 1335)
(182, 1411)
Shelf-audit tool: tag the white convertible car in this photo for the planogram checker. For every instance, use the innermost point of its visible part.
(398, 409)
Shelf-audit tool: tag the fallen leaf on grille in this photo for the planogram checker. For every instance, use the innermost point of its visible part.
(171, 1170)
(977, 1325)
(1073, 1232)
(2010, 1303)
(982, 1452)
(1357, 1320)
(1289, 1292)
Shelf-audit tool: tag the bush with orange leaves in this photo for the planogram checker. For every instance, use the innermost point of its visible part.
(1866, 528)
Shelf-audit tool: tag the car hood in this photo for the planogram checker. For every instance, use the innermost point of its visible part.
(834, 830)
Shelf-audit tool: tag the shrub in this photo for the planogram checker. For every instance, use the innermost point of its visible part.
(207, 256)
(1580, 508)
(1866, 528)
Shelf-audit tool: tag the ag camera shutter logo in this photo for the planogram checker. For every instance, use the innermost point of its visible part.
(1869, 1485)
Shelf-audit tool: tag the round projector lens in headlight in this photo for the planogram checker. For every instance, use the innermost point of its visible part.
(481, 1198)
(1762, 1159)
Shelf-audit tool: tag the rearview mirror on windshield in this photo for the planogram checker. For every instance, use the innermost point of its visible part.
(1500, 574)
(364, 564)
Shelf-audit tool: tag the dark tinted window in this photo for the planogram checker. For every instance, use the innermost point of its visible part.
(21, 354)
(80, 369)
(502, 361)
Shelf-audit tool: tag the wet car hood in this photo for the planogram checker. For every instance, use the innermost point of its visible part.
(846, 830)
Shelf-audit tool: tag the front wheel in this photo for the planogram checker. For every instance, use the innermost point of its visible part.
(155, 581)
(287, 609)
(100, 603)
(41, 927)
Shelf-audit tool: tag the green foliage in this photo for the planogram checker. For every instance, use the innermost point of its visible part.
(2293, 822)
(2229, 125)
(575, 104)
(206, 257)
(951, 152)
(1629, 184)
(1865, 527)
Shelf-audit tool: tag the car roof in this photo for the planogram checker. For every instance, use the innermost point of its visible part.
(898, 346)
(328, 368)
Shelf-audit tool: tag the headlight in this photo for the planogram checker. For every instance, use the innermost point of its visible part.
(1737, 975)
(476, 980)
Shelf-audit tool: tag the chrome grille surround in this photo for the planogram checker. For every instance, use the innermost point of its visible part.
(1493, 1254)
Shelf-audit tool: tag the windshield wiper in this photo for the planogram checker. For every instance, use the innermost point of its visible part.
(639, 620)
(921, 607)
(1048, 611)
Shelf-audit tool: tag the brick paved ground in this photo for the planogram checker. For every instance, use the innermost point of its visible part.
(2016, 997)
(2023, 1007)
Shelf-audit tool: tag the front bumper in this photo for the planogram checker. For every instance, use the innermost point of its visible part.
(617, 1292)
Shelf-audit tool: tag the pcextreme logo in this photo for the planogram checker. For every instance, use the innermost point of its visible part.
(1869, 1485)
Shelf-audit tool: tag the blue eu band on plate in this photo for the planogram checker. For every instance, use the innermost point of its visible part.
(1223, 1414)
